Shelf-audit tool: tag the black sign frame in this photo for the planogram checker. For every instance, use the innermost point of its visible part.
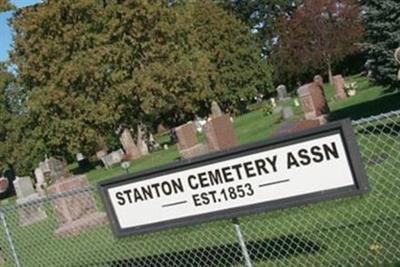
(344, 127)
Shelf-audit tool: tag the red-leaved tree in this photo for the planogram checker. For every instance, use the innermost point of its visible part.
(319, 34)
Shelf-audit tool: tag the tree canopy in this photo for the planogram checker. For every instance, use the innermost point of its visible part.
(88, 67)
(261, 16)
(319, 34)
(5, 5)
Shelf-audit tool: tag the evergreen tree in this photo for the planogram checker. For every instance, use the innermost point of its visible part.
(382, 23)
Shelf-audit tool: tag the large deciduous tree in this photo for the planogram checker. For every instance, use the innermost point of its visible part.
(382, 23)
(18, 150)
(91, 66)
(319, 34)
(6, 79)
(5, 5)
(261, 16)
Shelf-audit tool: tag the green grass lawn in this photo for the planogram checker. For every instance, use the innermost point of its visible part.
(342, 232)
(253, 126)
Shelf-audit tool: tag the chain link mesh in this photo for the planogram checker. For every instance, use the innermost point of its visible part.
(357, 231)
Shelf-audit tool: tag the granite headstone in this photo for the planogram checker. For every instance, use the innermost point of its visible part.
(339, 85)
(129, 146)
(220, 133)
(313, 101)
(77, 211)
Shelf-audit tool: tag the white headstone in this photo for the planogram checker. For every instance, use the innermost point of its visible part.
(80, 157)
(39, 176)
(215, 110)
(113, 158)
(282, 92)
(23, 187)
(29, 212)
(141, 143)
(273, 102)
(40, 180)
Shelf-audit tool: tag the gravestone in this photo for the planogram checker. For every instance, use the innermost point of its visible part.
(40, 181)
(312, 99)
(339, 85)
(23, 187)
(187, 141)
(53, 169)
(113, 158)
(215, 110)
(130, 148)
(287, 112)
(76, 211)
(319, 80)
(397, 58)
(153, 145)
(4, 184)
(141, 141)
(83, 162)
(282, 92)
(186, 135)
(44, 167)
(273, 102)
(29, 211)
(220, 133)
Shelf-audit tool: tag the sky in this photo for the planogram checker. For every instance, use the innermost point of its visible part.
(5, 31)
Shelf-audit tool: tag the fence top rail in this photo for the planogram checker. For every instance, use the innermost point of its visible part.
(376, 117)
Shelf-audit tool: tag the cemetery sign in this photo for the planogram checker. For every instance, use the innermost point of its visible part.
(317, 164)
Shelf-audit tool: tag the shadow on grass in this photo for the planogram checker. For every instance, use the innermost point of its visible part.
(369, 108)
(85, 168)
(227, 255)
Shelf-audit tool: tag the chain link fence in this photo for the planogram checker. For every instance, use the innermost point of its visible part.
(357, 231)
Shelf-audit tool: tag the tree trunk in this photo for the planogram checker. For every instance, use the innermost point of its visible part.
(330, 72)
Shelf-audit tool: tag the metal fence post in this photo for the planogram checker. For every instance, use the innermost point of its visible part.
(242, 243)
(9, 239)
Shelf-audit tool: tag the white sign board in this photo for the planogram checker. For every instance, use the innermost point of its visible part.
(306, 167)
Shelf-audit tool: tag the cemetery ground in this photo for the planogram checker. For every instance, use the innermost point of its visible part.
(370, 100)
(286, 236)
